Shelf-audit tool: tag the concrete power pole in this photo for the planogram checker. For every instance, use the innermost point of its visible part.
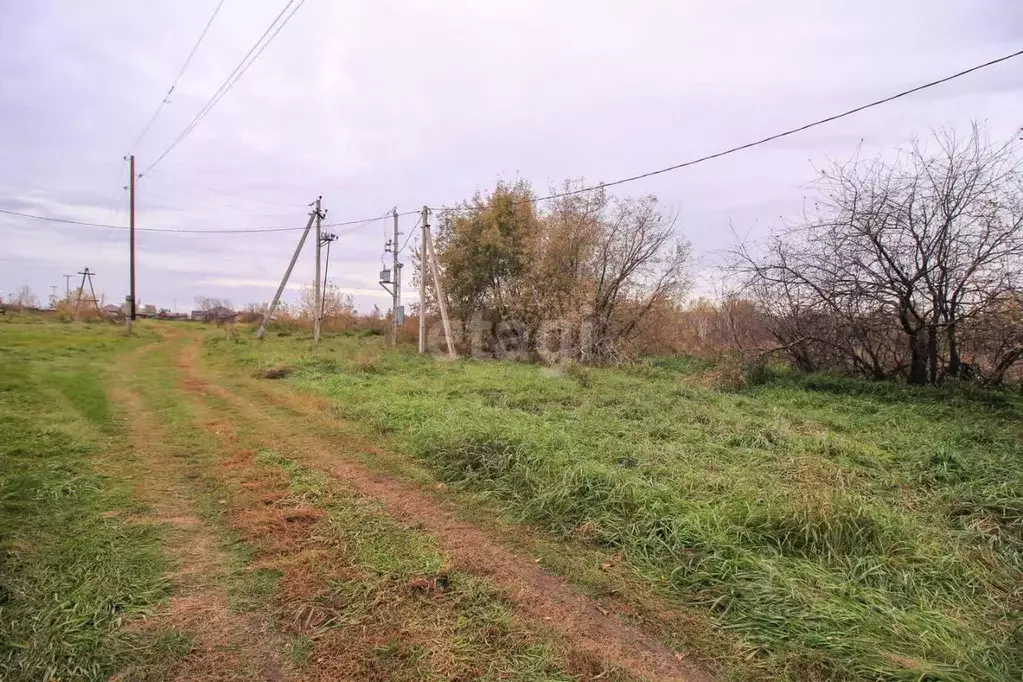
(67, 287)
(441, 299)
(397, 314)
(131, 240)
(318, 302)
(287, 273)
(425, 221)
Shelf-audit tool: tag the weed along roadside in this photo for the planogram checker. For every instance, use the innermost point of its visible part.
(820, 528)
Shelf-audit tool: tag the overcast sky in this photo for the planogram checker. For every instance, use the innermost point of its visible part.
(377, 104)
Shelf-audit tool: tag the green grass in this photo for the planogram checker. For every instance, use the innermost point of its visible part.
(371, 617)
(838, 529)
(71, 573)
(463, 624)
(158, 384)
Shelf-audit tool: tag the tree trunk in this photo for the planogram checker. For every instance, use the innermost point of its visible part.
(955, 363)
(997, 376)
(932, 354)
(918, 359)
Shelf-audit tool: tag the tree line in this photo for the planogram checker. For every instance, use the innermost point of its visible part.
(907, 265)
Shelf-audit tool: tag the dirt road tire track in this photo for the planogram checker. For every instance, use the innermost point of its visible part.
(228, 645)
(545, 600)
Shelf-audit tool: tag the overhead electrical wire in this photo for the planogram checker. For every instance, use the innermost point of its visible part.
(621, 181)
(60, 220)
(357, 223)
(764, 140)
(411, 232)
(251, 56)
(174, 83)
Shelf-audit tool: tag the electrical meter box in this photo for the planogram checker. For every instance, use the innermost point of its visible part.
(399, 315)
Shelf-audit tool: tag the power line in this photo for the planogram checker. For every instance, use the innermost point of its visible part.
(411, 232)
(174, 83)
(765, 140)
(60, 220)
(633, 178)
(251, 56)
(356, 223)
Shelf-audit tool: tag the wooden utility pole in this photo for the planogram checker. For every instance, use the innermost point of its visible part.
(441, 301)
(318, 302)
(425, 221)
(131, 239)
(396, 294)
(287, 275)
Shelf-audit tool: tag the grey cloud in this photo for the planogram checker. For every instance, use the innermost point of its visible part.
(394, 103)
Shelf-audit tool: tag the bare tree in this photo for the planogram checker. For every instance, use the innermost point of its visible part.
(23, 298)
(216, 310)
(336, 309)
(638, 264)
(913, 247)
(208, 303)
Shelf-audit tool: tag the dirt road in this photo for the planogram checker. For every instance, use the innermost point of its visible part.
(229, 457)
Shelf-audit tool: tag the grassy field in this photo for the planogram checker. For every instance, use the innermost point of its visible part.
(830, 529)
(71, 573)
(152, 529)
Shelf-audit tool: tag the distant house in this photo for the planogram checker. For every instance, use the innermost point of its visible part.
(111, 310)
(218, 314)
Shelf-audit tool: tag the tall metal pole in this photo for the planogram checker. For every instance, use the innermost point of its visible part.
(131, 239)
(67, 287)
(284, 280)
(317, 303)
(423, 269)
(396, 293)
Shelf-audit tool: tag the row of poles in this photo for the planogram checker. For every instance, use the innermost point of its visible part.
(429, 264)
(316, 215)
